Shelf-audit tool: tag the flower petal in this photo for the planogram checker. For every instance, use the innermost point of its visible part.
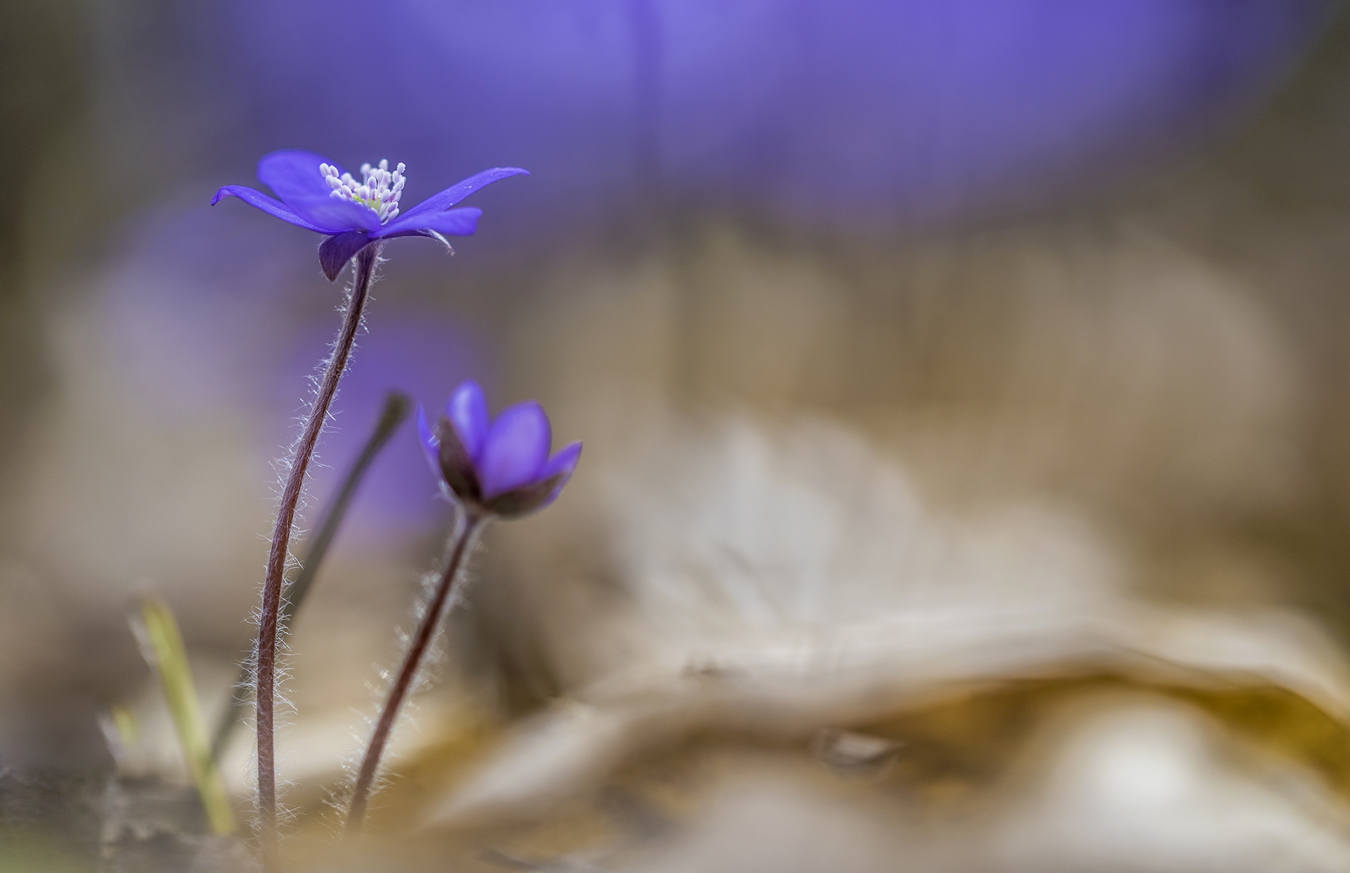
(294, 174)
(457, 192)
(516, 449)
(267, 204)
(455, 222)
(449, 462)
(429, 234)
(563, 462)
(336, 251)
(467, 410)
(334, 214)
(545, 489)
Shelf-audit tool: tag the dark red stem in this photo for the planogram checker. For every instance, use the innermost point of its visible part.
(460, 546)
(266, 656)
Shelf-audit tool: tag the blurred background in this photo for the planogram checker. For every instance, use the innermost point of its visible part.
(962, 382)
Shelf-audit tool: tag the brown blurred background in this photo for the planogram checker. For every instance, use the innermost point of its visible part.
(1154, 353)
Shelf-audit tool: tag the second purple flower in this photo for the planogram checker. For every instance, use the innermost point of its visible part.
(501, 467)
(490, 469)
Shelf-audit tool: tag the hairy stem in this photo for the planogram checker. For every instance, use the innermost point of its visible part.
(461, 543)
(395, 410)
(266, 658)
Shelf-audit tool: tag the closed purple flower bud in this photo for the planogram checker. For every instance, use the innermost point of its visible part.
(500, 467)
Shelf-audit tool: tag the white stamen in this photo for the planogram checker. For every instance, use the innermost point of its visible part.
(378, 189)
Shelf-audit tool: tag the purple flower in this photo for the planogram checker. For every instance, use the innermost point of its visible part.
(318, 195)
(501, 467)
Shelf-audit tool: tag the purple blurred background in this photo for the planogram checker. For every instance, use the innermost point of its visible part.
(848, 112)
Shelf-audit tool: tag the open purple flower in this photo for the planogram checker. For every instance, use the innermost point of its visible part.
(318, 195)
(501, 466)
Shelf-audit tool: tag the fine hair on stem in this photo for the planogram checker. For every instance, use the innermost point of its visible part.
(468, 526)
(392, 414)
(265, 656)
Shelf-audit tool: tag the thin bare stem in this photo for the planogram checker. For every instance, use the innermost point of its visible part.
(266, 657)
(461, 543)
